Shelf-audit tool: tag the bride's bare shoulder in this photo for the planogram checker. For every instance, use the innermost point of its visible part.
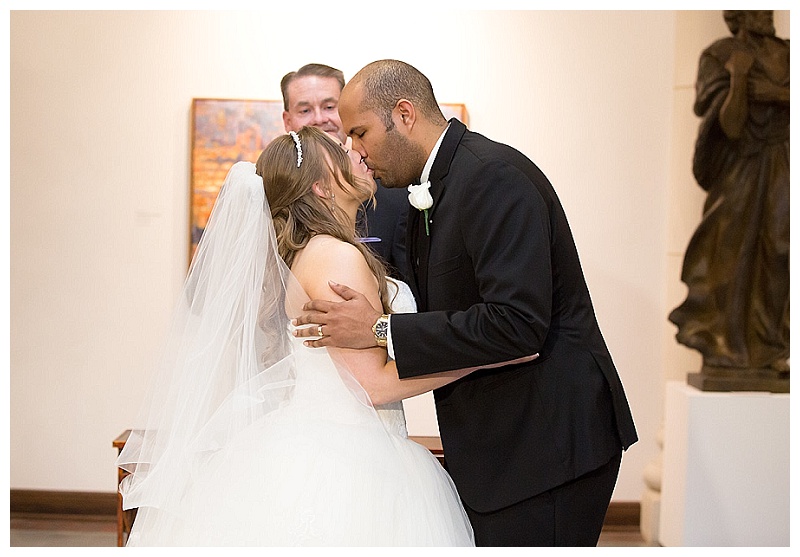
(326, 258)
(323, 250)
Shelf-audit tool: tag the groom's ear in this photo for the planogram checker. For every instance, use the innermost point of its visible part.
(404, 114)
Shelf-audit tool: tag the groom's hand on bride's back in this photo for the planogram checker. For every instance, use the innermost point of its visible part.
(345, 324)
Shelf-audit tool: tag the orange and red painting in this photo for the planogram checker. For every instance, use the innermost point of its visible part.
(225, 131)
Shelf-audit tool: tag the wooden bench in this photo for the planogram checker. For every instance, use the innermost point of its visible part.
(125, 518)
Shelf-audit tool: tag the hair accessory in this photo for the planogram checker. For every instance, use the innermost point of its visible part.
(299, 147)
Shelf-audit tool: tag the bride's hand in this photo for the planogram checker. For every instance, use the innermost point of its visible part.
(346, 324)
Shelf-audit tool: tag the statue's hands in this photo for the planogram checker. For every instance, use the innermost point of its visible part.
(346, 324)
(739, 63)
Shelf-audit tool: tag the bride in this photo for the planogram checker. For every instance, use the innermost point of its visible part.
(247, 436)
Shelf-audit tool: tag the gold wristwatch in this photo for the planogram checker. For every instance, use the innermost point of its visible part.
(381, 330)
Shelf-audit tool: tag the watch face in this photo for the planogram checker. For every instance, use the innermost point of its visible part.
(381, 328)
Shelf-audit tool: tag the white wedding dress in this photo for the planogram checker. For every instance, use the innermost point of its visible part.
(323, 470)
(292, 453)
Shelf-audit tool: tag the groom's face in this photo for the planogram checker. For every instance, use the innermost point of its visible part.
(393, 158)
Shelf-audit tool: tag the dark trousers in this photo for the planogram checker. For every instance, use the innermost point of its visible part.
(571, 514)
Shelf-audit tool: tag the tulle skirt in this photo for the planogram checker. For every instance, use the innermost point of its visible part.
(322, 470)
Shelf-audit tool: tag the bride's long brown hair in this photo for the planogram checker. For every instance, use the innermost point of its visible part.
(298, 214)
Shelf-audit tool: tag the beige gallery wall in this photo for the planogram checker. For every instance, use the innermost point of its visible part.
(100, 121)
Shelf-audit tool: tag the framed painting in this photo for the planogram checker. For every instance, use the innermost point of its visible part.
(225, 131)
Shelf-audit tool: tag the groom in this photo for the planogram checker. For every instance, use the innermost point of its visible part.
(534, 448)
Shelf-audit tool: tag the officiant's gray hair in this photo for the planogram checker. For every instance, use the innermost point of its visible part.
(387, 81)
(315, 70)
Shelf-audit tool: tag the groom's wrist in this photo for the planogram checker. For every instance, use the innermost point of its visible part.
(381, 330)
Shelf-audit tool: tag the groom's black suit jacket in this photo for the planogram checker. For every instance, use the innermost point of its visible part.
(499, 278)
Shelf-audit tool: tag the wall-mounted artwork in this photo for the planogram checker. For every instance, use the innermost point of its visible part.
(225, 131)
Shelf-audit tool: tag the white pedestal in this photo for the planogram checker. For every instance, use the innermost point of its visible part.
(726, 468)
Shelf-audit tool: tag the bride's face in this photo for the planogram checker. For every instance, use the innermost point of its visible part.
(360, 169)
(349, 198)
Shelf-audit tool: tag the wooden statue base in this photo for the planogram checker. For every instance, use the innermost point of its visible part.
(739, 379)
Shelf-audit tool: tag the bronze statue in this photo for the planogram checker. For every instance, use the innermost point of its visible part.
(736, 266)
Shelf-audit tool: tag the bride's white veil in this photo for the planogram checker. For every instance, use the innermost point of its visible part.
(228, 358)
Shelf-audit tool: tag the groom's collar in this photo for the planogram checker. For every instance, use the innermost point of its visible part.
(447, 150)
(426, 170)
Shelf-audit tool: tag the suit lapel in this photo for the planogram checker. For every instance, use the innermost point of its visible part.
(444, 158)
(412, 253)
(424, 247)
(415, 233)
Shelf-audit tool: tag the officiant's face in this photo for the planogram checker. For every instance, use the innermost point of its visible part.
(393, 158)
(313, 101)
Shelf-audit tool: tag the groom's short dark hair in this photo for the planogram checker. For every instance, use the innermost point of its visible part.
(387, 81)
(319, 70)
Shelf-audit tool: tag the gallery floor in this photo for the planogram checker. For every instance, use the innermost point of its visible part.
(64, 531)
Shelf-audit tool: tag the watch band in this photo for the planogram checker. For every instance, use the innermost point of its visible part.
(381, 330)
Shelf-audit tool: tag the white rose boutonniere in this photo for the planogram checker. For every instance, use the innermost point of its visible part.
(420, 198)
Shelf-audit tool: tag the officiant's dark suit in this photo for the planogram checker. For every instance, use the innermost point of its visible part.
(499, 278)
(384, 219)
